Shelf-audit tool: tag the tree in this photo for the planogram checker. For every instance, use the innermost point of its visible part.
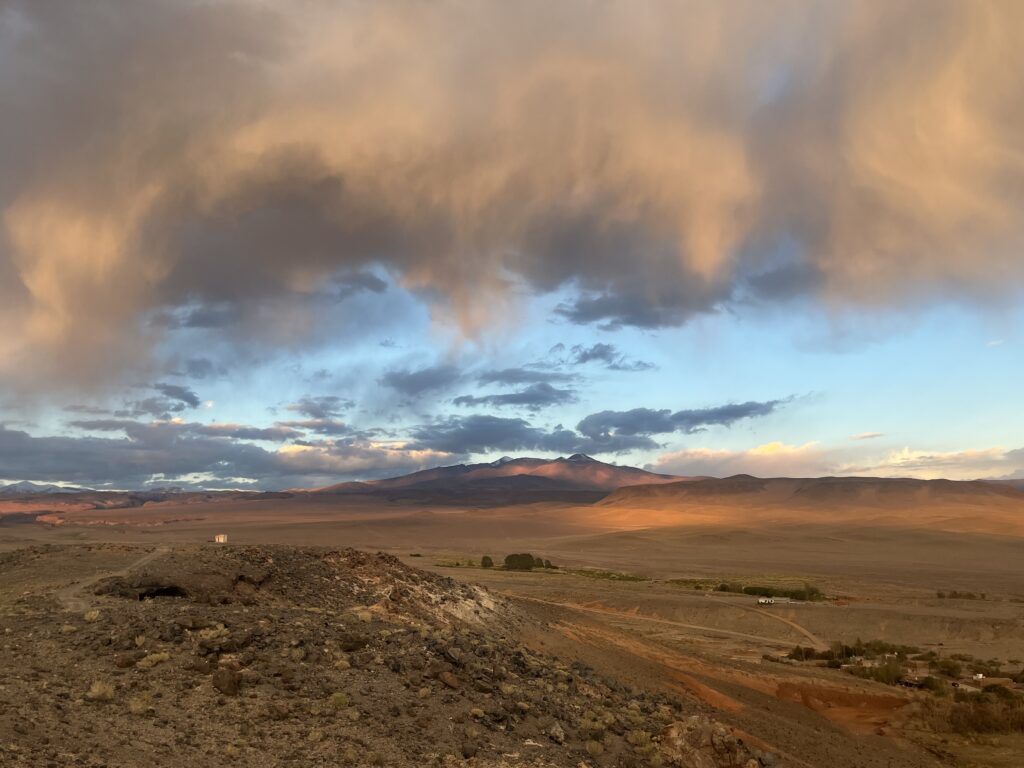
(519, 562)
(486, 562)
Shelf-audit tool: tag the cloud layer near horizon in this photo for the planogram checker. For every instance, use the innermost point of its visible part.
(239, 166)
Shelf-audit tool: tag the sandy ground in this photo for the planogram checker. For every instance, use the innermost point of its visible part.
(707, 646)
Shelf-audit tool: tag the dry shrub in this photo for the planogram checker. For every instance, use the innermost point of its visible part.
(996, 710)
(100, 690)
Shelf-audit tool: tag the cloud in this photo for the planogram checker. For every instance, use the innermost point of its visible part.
(867, 435)
(775, 459)
(322, 426)
(418, 382)
(607, 354)
(954, 465)
(524, 375)
(208, 455)
(485, 433)
(482, 434)
(201, 368)
(276, 434)
(180, 160)
(322, 407)
(646, 421)
(533, 397)
(179, 393)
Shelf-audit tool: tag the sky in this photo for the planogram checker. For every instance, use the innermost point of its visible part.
(251, 244)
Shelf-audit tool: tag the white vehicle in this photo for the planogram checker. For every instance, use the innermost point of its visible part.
(766, 601)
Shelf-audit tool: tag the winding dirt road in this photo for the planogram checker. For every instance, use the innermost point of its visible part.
(668, 622)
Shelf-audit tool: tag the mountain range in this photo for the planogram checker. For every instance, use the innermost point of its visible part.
(575, 474)
(26, 488)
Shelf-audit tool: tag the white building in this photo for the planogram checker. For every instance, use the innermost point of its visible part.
(221, 538)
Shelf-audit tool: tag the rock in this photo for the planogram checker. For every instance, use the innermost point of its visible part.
(556, 733)
(698, 742)
(227, 681)
(469, 750)
(449, 679)
(350, 641)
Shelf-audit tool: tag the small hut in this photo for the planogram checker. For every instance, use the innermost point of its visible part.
(221, 538)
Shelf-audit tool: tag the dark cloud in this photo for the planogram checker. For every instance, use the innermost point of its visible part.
(323, 426)
(638, 421)
(203, 316)
(609, 354)
(646, 421)
(86, 409)
(102, 425)
(612, 311)
(524, 375)
(169, 454)
(179, 393)
(651, 184)
(482, 433)
(277, 434)
(201, 368)
(724, 415)
(160, 407)
(348, 284)
(534, 397)
(322, 407)
(417, 382)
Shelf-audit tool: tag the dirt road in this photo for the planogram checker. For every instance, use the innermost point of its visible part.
(70, 597)
(668, 622)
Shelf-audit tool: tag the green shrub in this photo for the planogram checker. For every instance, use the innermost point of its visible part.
(947, 667)
(486, 562)
(520, 562)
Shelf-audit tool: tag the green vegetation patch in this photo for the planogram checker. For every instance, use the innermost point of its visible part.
(592, 573)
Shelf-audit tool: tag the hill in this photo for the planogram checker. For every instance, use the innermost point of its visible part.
(944, 504)
(240, 656)
(575, 473)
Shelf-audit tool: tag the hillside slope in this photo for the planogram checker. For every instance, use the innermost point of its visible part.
(265, 656)
(575, 473)
(944, 504)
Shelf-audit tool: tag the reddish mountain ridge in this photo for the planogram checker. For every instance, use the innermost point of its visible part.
(575, 473)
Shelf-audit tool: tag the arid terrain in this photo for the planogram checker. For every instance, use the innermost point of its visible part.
(646, 596)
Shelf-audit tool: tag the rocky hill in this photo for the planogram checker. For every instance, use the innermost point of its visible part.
(269, 656)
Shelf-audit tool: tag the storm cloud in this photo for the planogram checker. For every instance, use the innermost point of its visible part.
(213, 164)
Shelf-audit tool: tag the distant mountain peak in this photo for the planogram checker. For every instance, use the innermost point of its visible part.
(27, 487)
(581, 458)
(502, 460)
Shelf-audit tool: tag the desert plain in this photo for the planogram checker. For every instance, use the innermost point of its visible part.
(638, 591)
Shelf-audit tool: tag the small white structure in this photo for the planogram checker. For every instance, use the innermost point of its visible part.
(979, 676)
(766, 601)
(221, 538)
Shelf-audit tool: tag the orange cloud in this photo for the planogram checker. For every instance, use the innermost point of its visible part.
(637, 151)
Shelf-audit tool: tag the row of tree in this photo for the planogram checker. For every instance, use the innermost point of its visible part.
(522, 561)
